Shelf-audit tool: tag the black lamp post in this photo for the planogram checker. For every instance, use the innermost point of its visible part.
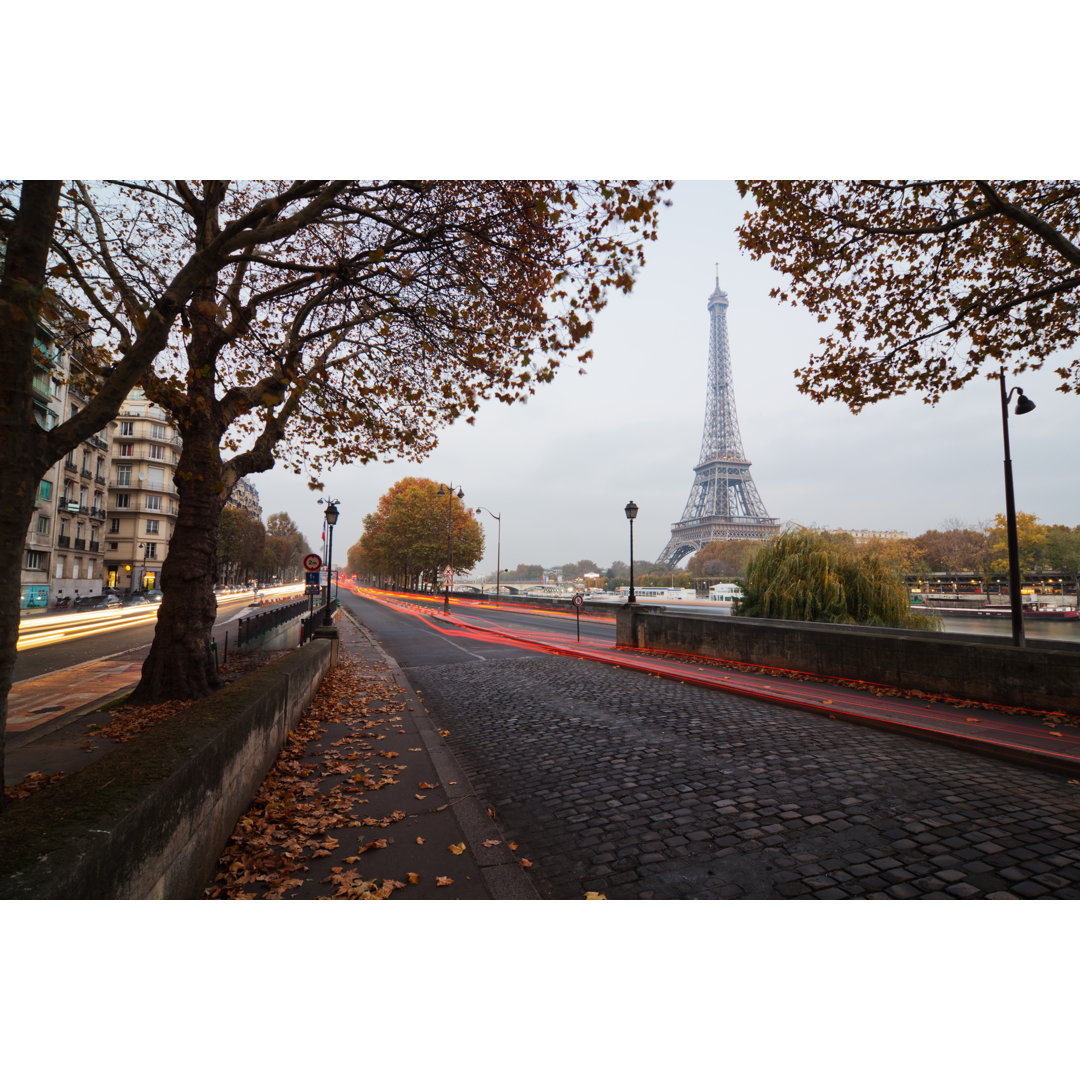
(631, 513)
(449, 541)
(1023, 405)
(498, 549)
(331, 516)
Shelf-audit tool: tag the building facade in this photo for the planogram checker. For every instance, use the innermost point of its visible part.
(245, 497)
(143, 501)
(63, 557)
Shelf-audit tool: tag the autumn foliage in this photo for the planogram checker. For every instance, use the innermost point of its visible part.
(417, 526)
(923, 284)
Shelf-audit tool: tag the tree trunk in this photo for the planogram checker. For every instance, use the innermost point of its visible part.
(21, 440)
(180, 665)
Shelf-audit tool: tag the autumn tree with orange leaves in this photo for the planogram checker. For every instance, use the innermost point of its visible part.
(417, 525)
(924, 283)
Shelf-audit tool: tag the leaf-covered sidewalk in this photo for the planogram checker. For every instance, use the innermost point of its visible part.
(356, 808)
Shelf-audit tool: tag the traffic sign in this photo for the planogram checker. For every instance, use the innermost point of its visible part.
(312, 578)
(312, 561)
(578, 599)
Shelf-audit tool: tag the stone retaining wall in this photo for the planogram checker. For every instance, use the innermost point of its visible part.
(1046, 676)
(150, 818)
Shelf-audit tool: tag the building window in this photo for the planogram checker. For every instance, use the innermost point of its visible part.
(75, 567)
(114, 526)
(127, 428)
(123, 475)
(151, 551)
(113, 545)
(157, 431)
(43, 524)
(123, 501)
(153, 502)
(45, 490)
(157, 452)
(59, 566)
(127, 449)
(152, 526)
(35, 560)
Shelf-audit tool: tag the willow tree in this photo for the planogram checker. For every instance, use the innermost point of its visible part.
(417, 528)
(811, 576)
(393, 315)
(924, 284)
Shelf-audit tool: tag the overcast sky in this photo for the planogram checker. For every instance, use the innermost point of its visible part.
(560, 468)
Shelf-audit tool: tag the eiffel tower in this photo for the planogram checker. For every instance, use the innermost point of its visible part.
(724, 504)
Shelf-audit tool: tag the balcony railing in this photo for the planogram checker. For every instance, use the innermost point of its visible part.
(63, 541)
(97, 513)
(71, 466)
(95, 545)
(80, 543)
(87, 473)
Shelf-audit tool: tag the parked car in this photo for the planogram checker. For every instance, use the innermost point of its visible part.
(96, 603)
(136, 599)
(154, 595)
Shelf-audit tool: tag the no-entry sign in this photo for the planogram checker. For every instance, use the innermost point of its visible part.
(312, 561)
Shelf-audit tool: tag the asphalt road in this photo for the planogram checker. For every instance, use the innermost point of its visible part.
(133, 640)
(646, 788)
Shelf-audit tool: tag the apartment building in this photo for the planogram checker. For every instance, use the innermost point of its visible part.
(143, 502)
(245, 496)
(63, 556)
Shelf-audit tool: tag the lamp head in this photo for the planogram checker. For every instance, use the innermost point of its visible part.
(331, 514)
(1023, 404)
(631, 510)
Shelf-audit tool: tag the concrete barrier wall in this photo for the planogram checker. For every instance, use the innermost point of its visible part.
(150, 819)
(977, 669)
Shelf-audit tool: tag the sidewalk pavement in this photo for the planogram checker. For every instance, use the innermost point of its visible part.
(379, 762)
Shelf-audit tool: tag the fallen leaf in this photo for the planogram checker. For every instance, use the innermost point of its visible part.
(491, 812)
(444, 881)
(425, 786)
(972, 720)
(414, 879)
(419, 796)
(457, 849)
(419, 839)
(826, 701)
(1057, 734)
(526, 863)
(595, 896)
(491, 843)
(513, 847)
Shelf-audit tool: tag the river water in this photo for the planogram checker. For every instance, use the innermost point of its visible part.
(1034, 629)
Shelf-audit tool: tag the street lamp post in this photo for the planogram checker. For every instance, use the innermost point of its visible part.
(331, 516)
(1023, 405)
(498, 549)
(631, 512)
(449, 541)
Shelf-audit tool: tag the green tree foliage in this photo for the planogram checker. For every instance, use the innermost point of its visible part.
(923, 282)
(412, 532)
(815, 577)
(240, 545)
(721, 559)
(285, 548)
(525, 572)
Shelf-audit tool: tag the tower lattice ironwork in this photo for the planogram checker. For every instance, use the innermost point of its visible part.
(724, 503)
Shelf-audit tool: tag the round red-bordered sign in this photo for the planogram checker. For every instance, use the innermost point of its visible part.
(312, 562)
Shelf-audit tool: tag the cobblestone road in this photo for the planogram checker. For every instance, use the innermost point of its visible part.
(646, 788)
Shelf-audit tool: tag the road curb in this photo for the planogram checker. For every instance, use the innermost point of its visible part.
(503, 874)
